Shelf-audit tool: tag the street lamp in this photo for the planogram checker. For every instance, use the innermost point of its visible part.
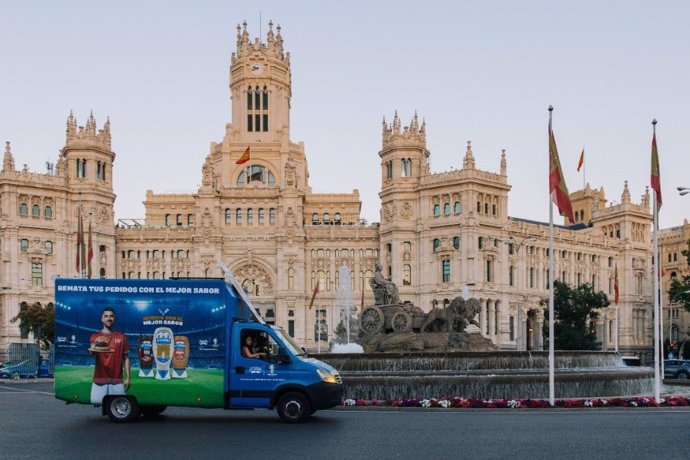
(682, 191)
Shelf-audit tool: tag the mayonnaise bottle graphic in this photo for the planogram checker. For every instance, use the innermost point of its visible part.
(162, 351)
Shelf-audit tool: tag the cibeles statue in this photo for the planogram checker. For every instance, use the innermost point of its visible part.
(385, 291)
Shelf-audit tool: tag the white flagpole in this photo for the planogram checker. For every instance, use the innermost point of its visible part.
(655, 265)
(552, 378)
(657, 310)
(617, 326)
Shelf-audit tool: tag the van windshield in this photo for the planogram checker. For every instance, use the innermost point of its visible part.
(289, 342)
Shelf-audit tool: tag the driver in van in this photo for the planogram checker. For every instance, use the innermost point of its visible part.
(248, 348)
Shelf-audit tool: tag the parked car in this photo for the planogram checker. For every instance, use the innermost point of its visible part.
(677, 369)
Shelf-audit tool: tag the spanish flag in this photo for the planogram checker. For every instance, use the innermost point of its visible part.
(313, 296)
(244, 158)
(615, 286)
(557, 188)
(582, 160)
(656, 176)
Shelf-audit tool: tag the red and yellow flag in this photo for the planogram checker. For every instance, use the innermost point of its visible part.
(615, 286)
(557, 188)
(246, 156)
(313, 296)
(656, 176)
(581, 162)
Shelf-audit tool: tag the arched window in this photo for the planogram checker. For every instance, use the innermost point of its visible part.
(48, 212)
(446, 209)
(291, 278)
(35, 211)
(228, 216)
(457, 207)
(336, 218)
(437, 210)
(238, 217)
(23, 209)
(250, 99)
(23, 245)
(437, 244)
(326, 218)
(250, 216)
(167, 220)
(272, 216)
(49, 247)
(261, 216)
(456, 242)
(315, 219)
(190, 220)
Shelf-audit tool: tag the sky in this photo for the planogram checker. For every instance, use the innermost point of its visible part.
(481, 71)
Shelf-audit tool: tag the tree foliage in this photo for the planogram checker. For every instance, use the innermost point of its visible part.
(38, 320)
(575, 309)
(679, 292)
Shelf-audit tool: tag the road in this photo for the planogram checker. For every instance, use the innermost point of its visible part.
(35, 425)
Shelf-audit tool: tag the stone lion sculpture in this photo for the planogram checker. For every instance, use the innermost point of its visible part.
(459, 314)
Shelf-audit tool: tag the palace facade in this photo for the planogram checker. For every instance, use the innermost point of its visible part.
(439, 232)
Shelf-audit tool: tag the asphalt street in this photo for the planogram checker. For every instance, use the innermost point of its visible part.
(33, 424)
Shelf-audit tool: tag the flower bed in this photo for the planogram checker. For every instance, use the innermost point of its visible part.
(458, 402)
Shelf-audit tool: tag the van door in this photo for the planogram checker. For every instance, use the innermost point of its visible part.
(256, 370)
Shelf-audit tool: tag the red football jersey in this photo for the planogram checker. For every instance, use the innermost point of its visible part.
(109, 365)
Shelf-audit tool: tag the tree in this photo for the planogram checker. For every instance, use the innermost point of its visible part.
(679, 292)
(38, 320)
(574, 310)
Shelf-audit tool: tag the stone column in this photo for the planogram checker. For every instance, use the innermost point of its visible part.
(538, 332)
(491, 306)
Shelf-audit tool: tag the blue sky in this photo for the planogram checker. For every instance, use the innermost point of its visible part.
(479, 71)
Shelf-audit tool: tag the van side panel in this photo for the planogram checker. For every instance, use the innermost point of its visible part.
(182, 322)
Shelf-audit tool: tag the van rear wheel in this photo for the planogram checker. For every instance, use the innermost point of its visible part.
(294, 408)
(121, 409)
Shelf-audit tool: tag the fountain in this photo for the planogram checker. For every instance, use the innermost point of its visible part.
(411, 354)
(344, 299)
(488, 375)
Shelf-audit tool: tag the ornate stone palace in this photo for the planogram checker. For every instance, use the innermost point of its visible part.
(438, 232)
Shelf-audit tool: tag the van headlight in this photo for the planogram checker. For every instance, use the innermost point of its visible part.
(327, 376)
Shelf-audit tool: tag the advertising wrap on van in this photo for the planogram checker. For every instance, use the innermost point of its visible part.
(174, 336)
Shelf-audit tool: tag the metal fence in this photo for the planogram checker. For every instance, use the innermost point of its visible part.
(24, 360)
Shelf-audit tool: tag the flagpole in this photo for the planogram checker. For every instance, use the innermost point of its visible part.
(655, 267)
(616, 288)
(551, 300)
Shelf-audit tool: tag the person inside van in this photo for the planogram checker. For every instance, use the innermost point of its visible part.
(248, 348)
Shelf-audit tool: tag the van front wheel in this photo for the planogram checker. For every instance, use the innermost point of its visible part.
(121, 409)
(294, 408)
